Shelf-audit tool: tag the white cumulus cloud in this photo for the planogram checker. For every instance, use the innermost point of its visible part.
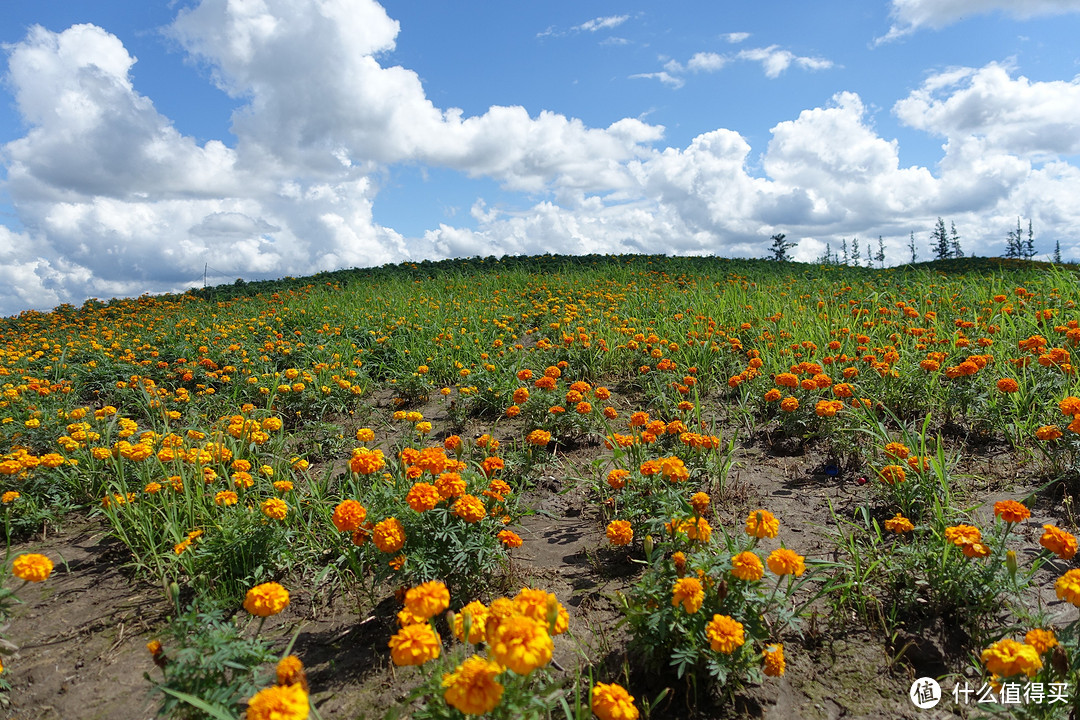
(911, 15)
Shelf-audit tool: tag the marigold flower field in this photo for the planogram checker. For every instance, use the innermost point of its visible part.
(557, 487)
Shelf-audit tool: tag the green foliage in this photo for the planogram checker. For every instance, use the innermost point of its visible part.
(207, 656)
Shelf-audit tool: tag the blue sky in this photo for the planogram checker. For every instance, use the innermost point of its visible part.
(140, 142)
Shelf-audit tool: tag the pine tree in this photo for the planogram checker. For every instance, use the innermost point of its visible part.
(780, 247)
(843, 246)
(1029, 246)
(1057, 251)
(939, 240)
(855, 250)
(911, 247)
(880, 257)
(954, 240)
(1013, 243)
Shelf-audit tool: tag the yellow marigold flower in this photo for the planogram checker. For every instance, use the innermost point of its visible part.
(747, 566)
(266, 599)
(365, 435)
(389, 535)
(689, 593)
(509, 539)
(12, 495)
(773, 656)
(225, 498)
(613, 702)
(423, 497)
(892, 474)
(279, 702)
(415, 645)
(899, 524)
(275, 508)
(349, 515)
(725, 634)
(1007, 658)
(1011, 511)
(540, 438)
(1041, 640)
(762, 524)
(1067, 587)
(427, 599)
(521, 644)
(695, 529)
(290, 671)
(32, 567)
(673, 469)
(783, 561)
(1059, 542)
(472, 687)
(477, 614)
(423, 428)
(619, 532)
(469, 508)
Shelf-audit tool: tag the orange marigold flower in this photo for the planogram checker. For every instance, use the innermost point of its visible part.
(961, 535)
(783, 561)
(1007, 658)
(521, 644)
(389, 535)
(789, 404)
(32, 567)
(415, 645)
(423, 497)
(789, 380)
(1011, 511)
(619, 532)
(725, 634)
(366, 462)
(897, 450)
(899, 524)
(275, 508)
(279, 702)
(773, 657)
(1059, 542)
(469, 508)
(613, 702)
(450, 484)
(427, 599)
(1041, 640)
(266, 599)
(773, 395)
(540, 438)
(892, 474)
(491, 464)
(1048, 433)
(700, 502)
(747, 566)
(225, 498)
(509, 539)
(762, 524)
(617, 478)
(349, 515)
(1067, 587)
(472, 687)
(1008, 385)
(689, 593)
(1070, 405)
